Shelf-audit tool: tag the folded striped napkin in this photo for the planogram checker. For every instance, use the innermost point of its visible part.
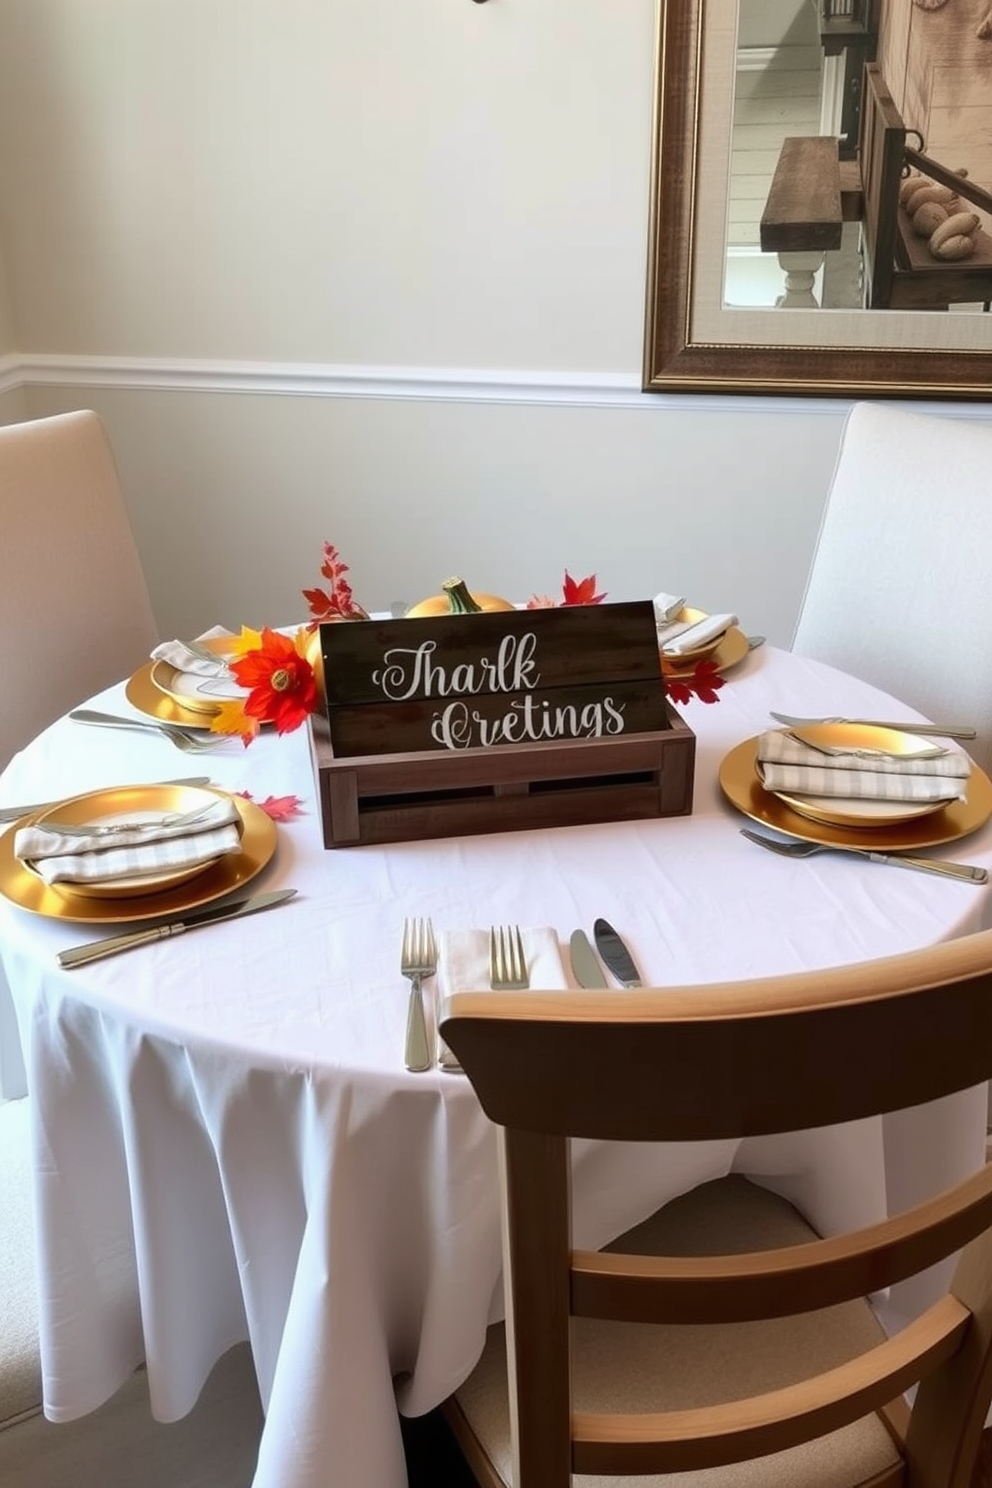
(463, 966)
(65, 858)
(785, 763)
(177, 654)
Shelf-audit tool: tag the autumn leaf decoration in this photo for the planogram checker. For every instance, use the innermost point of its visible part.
(704, 682)
(337, 602)
(573, 592)
(282, 688)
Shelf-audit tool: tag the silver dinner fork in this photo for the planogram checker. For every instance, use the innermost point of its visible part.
(797, 848)
(507, 962)
(183, 739)
(114, 829)
(418, 959)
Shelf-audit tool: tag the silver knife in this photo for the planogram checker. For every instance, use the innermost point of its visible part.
(616, 954)
(95, 951)
(14, 813)
(585, 962)
(942, 730)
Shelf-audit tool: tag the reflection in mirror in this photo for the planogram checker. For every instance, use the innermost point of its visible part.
(799, 70)
(800, 76)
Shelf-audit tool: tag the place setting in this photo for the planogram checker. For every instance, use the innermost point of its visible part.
(187, 682)
(688, 636)
(865, 787)
(504, 958)
(134, 852)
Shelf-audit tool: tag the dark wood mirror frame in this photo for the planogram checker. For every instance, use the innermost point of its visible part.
(674, 359)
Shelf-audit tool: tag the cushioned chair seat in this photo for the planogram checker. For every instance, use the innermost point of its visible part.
(633, 1367)
(119, 1445)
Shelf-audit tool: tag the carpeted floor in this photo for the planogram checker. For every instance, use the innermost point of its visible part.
(432, 1456)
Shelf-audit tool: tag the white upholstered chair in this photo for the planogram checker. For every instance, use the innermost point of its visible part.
(74, 617)
(900, 588)
(74, 609)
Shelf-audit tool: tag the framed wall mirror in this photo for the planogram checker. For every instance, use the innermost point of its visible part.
(780, 258)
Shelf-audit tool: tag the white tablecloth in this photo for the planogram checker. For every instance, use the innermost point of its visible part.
(227, 1144)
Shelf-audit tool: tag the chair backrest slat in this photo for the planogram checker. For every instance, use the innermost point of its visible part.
(764, 1284)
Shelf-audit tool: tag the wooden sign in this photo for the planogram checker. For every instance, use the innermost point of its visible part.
(459, 682)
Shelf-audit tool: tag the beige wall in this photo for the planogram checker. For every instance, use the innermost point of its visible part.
(7, 340)
(227, 223)
(350, 181)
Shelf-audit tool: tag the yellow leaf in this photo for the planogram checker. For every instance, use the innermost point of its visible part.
(232, 719)
(248, 640)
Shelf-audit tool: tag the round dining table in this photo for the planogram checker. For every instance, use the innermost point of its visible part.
(227, 1144)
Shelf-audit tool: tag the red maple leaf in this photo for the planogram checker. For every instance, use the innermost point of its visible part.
(280, 808)
(580, 592)
(703, 683)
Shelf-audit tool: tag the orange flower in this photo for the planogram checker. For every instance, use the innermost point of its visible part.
(281, 683)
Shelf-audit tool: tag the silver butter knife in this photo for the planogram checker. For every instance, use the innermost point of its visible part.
(14, 813)
(616, 954)
(943, 730)
(96, 950)
(585, 963)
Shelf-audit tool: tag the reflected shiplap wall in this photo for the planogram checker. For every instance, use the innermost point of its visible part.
(373, 271)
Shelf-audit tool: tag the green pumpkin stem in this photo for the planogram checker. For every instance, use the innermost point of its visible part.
(460, 601)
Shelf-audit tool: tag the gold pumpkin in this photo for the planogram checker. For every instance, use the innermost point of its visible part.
(315, 655)
(456, 599)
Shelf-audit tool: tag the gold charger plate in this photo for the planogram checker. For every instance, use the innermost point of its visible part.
(154, 703)
(232, 871)
(730, 649)
(743, 789)
(130, 802)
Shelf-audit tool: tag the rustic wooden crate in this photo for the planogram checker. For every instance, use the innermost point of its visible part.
(408, 797)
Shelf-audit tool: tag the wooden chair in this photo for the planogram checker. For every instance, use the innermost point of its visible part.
(735, 1375)
(898, 591)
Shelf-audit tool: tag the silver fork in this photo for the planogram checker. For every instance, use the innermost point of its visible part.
(507, 962)
(188, 742)
(114, 829)
(797, 848)
(418, 959)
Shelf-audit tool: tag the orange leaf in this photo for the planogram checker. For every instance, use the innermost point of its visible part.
(232, 719)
